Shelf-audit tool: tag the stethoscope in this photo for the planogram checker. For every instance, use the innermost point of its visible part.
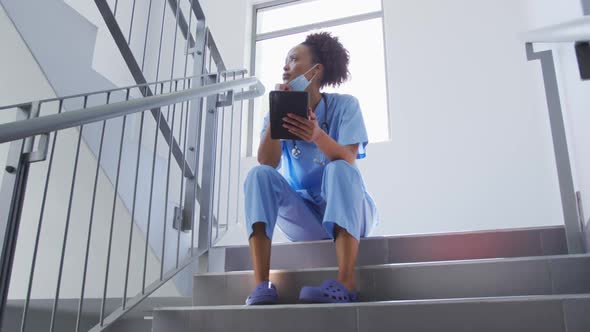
(296, 152)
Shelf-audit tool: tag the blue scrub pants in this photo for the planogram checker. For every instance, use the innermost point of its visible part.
(270, 199)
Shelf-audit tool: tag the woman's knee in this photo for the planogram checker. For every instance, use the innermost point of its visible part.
(260, 172)
(352, 228)
(339, 169)
(258, 229)
(339, 166)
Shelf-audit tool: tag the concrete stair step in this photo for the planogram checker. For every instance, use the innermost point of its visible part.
(545, 275)
(522, 242)
(553, 313)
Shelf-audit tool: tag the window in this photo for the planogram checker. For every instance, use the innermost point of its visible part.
(282, 24)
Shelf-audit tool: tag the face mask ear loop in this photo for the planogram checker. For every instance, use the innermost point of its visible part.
(311, 79)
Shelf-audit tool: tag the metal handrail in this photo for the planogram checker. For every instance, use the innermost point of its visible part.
(575, 31)
(31, 127)
(572, 31)
(98, 92)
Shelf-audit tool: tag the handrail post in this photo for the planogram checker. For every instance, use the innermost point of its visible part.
(192, 193)
(12, 194)
(575, 243)
(208, 182)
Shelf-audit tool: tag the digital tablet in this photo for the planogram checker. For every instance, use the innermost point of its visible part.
(281, 103)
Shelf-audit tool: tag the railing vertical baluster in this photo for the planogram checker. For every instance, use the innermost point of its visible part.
(182, 177)
(173, 63)
(115, 11)
(220, 147)
(215, 174)
(197, 148)
(67, 226)
(89, 234)
(152, 185)
(116, 190)
(239, 191)
(131, 23)
(210, 58)
(175, 37)
(132, 224)
(165, 222)
(151, 199)
(160, 47)
(39, 224)
(231, 145)
(147, 30)
(188, 36)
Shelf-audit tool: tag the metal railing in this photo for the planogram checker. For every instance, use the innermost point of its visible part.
(166, 200)
(31, 123)
(183, 45)
(568, 32)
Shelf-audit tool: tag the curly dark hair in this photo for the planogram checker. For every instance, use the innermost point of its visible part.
(327, 50)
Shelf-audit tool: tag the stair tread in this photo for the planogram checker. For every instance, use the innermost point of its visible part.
(522, 242)
(540, 313)
(537, 275)
(412, 235)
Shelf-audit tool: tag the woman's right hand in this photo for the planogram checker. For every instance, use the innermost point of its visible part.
(283, 87)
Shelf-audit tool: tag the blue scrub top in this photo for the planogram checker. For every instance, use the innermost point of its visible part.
(346, 126)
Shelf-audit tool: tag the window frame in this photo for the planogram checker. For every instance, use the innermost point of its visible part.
(255, 37)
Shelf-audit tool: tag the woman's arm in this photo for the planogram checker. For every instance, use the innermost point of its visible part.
(335, 151)
(269, 150)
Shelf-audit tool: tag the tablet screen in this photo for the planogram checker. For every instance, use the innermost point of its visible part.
(281, 103)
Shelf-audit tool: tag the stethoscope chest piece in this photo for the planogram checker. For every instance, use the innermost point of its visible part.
(296, 152)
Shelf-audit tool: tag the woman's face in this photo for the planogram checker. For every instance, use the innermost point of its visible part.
(297, 62)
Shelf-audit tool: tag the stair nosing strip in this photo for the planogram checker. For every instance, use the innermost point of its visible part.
(491, 299)
(414, 264)
(387, 237)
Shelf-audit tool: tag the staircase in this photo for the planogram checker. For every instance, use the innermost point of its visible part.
(511, 280)
(497, 280)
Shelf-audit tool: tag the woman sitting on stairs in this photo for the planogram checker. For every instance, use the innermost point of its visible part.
(320, 193)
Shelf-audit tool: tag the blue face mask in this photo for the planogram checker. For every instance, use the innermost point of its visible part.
(300, 83)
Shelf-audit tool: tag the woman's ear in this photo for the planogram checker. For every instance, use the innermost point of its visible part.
(319, 72)
(320, 68)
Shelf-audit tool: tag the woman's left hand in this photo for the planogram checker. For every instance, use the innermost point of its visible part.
(306, 129)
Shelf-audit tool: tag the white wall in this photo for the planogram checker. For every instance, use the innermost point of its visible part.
(21, 81)
(471, 146)
(229, 22)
